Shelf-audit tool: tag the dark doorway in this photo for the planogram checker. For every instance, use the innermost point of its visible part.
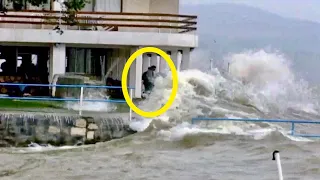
(24, 65)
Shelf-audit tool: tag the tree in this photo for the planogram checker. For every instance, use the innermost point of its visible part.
(72, 7)
(69, 15)
(75, 5)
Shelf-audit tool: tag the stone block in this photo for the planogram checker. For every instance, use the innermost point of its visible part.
(3, 124)
(118, 134)
(89, 119)
(105, 135)
(9, 139)
(19, 121)
(40, 131)
(32, 121)
(31, 130)
(45, 129)
(4, 144)
(65, 131)
(90, 135)
(53, 130)
(82, 123)
(12, 129)
(92, 126)
(78, 131)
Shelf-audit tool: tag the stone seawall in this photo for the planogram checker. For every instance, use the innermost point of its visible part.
(20, 129)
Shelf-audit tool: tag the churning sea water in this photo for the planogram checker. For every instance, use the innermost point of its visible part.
(258, 85)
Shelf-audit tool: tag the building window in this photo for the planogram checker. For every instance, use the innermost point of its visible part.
(24, 6)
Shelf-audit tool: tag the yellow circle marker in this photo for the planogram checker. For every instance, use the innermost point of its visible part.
(174, 91)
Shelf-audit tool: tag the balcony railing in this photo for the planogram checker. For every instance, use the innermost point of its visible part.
(101, 21)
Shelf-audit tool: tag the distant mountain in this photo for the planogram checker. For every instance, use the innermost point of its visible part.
(228, 28)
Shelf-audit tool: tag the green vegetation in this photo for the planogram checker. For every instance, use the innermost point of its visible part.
(9, 103)
(122, 108)
(73, 6)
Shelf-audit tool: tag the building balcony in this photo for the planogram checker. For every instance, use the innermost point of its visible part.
(100, 21)
(98, 29)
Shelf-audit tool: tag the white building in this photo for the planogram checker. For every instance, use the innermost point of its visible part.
(110, 29)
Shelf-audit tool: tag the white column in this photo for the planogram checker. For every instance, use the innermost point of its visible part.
(138, 90)
(179, 60)
(154, 61)
(132, 73)
(146, 62)
(162, 65)
(174, 57)
(185, 63)
(135, 73)
(57, 5)
(158, 63)
(107, 5)
(57, 62)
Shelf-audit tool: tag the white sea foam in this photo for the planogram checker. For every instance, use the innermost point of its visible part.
(258, 83)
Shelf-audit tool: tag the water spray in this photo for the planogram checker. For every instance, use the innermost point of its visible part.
(58, 27)
(276, 156)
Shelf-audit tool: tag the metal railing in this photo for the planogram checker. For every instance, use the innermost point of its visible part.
(81, 98)
(292, 122)
(101, 20)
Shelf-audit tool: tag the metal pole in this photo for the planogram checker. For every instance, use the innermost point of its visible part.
(276, 156)
(292, 128)
(130, 112)
(81, 101)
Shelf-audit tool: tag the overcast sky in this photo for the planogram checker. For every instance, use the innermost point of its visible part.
(302, 9)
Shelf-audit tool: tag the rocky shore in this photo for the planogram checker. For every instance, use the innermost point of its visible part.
(20, 129)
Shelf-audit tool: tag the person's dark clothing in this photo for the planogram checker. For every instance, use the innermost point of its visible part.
(148, 80)
(28, 72)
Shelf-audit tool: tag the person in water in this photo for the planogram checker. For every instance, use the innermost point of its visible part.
(148, 79)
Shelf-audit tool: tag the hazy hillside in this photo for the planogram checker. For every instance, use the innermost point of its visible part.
(225, 28)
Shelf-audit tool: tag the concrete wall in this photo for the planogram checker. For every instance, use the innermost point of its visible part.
(103, 6)
(22, 129)
(151, 6)
(164, 6)
(139, 6)
(57, 5)
(108, 5)
(97, 5)
(97, 38)
(167, 7)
